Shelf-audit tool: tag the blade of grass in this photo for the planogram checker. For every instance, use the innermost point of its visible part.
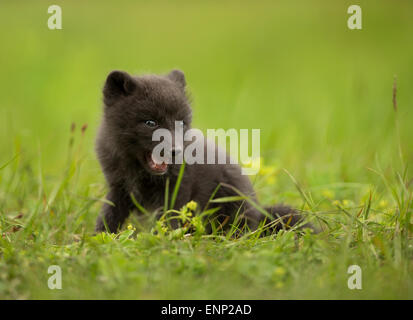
(177, 185)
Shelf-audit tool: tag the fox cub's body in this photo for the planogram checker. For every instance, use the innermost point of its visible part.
(133, 108)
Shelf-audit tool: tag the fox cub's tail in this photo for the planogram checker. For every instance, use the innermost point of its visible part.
(284, 216)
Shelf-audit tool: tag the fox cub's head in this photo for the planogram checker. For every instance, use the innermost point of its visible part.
(137, 106)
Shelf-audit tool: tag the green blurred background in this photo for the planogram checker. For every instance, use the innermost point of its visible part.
(320, 93)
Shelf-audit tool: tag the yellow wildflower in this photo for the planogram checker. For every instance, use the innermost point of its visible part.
(271, 180)
(192, 205)
(253, 163)
(267, 170)
(346, 203)
(327, 194)
(279, 271)
(336, 203)
(383, 204)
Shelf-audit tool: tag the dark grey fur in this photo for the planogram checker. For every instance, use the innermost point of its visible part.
(124, 139)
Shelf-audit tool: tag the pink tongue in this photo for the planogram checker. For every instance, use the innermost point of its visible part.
(158, 166)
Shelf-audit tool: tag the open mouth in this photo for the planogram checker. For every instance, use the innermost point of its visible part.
(156, 166)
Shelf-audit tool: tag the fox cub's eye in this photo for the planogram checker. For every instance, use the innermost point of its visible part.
(151, 123)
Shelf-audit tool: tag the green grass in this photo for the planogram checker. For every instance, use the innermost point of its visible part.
(331, 142)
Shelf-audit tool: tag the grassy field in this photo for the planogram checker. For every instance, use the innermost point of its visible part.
(332, 143)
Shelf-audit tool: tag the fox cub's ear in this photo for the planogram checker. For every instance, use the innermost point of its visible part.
(178, 77)
(118, 83)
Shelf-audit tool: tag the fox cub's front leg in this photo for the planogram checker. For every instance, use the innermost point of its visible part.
(114, 215)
